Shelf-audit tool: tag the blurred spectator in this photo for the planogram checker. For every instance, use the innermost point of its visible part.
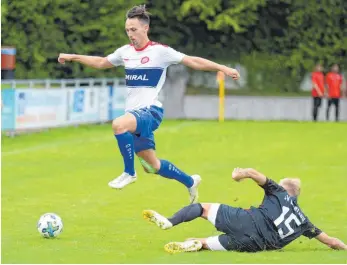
(334, 87)
(317, 78)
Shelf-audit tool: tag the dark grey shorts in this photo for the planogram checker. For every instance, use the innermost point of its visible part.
(240, 233)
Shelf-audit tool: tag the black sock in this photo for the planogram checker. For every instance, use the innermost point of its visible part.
(186, 214)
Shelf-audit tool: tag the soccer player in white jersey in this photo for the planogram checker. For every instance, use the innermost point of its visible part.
(145, 65)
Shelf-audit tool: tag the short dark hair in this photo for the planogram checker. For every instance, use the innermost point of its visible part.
(139, 12)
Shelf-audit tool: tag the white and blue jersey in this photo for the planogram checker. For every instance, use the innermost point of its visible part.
(145, 72)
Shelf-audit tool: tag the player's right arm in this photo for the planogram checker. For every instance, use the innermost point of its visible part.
(242, 173)
(269, 186)
(331, 242)
(92, 61)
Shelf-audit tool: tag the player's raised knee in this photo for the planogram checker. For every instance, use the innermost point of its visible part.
(118, 127)
(125, 123)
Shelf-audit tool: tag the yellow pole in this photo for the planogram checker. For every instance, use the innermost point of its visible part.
(221, 82)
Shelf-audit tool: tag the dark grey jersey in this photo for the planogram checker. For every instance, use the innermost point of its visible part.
(279, 219)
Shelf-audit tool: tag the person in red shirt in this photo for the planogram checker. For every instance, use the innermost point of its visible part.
(317, 78)
(334, 87)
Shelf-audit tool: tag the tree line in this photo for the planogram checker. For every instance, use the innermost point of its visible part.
(273, 38)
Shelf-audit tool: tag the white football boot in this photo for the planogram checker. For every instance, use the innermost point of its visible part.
(122, 181)
(186, 246)
(156, 218)
(193, 190)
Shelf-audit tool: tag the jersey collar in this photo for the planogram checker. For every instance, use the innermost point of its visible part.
(143, 48)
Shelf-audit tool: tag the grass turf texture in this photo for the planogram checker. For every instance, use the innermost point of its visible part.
(66, 171)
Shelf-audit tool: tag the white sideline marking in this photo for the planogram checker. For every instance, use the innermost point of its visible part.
(87, 140)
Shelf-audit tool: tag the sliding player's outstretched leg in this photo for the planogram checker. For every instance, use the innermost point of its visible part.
(157, 219)
(214, 243)
(186, 246)
(186, 214)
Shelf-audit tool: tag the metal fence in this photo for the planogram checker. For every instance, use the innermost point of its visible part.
(61, 83)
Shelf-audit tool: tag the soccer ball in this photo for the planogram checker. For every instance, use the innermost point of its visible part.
(50, 225)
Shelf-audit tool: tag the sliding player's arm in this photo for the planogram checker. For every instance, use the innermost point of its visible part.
(92, 61)
(312, 231)
(202, 64)
(331, 242)
(269, 186)
(242, 173)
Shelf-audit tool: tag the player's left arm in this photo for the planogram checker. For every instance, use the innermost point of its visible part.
(202, 64)
(171, 56)
(312, 231)
(331, 242)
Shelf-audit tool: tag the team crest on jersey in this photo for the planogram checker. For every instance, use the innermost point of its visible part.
(144, 60)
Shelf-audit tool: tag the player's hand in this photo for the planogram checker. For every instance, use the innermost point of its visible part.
(63, 57)
(231, 72)
(238, 174)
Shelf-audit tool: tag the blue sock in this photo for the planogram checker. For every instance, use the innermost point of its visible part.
(126, 147)
(170, 171)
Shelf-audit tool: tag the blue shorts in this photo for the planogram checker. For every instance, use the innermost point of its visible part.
(148, 120)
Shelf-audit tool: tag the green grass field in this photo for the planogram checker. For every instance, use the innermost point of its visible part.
(66, 171)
